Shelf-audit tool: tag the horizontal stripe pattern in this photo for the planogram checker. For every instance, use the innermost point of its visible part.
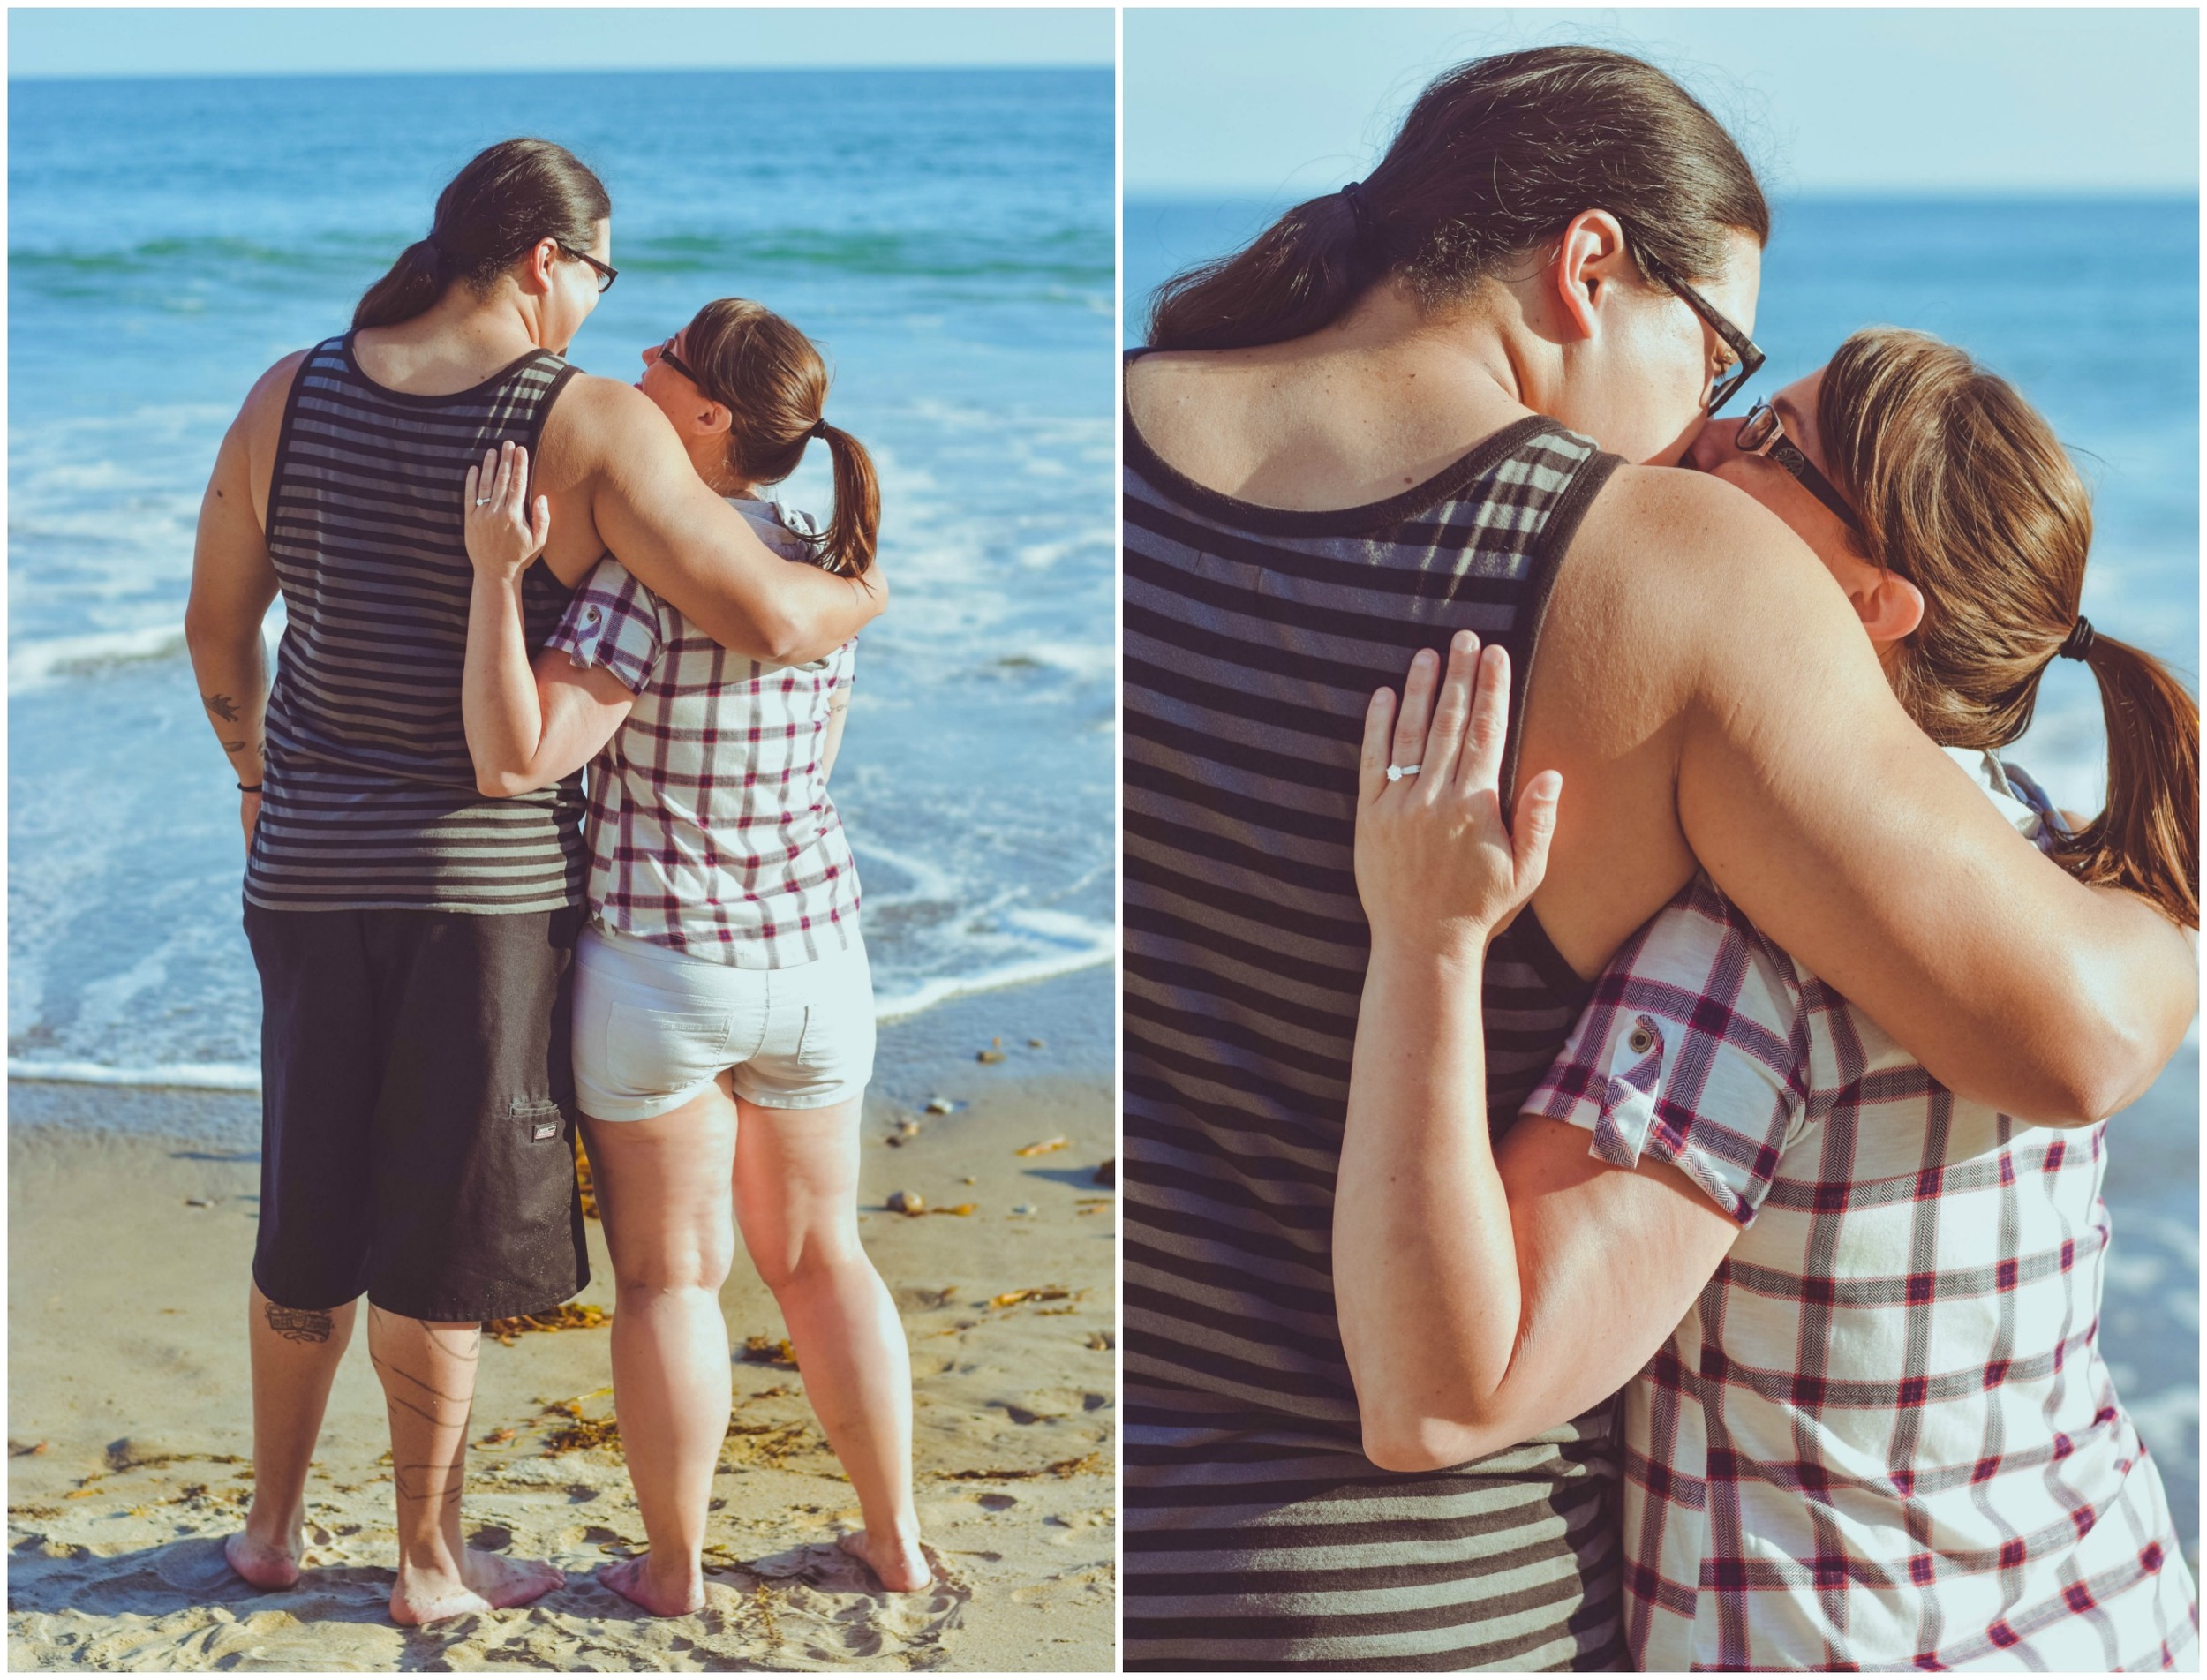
(1258, 1535)
(370, 801)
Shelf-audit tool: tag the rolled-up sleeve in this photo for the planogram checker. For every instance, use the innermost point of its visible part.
(1693, 1050)
(614, 622)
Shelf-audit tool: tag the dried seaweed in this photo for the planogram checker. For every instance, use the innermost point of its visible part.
(1045, 1292)
(573, 1315)
(764, 1350)
(1065, 1469)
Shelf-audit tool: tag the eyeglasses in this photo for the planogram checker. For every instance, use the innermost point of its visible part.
(1750, 354)
(668, 356)
(606, 272)
(1761, 434)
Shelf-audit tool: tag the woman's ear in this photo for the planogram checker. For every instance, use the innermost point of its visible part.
(1591, 257)
(714, 418)
(1891, 608)
(535, 269)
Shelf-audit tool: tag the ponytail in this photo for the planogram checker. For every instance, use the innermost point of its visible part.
(1297, 275)
(509, 196)
(846, 547)
(1963, 490)
(416, 281)
(2147, 840)
(1495, 157)
(770, 378)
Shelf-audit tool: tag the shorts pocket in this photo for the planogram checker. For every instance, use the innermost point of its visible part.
(837, 1041)
(655, 1052)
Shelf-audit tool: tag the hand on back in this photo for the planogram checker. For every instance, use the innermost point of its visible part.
(504, 530)
(1437, 868)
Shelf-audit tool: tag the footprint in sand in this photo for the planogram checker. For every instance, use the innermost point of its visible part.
(828, 1605)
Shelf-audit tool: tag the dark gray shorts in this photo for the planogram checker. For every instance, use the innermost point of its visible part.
(418, 1112)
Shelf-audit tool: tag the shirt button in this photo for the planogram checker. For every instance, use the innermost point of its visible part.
(590, 615)
(1641, 1041)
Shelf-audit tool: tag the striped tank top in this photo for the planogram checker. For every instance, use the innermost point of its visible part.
(369, 801)
(1258, 1535)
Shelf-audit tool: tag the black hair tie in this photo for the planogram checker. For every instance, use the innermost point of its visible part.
(819, 428)
(2079, 646)
(1359, 209)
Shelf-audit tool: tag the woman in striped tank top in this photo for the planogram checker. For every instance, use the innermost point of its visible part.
(724, 1027)
(1397, 415)
(413, 937)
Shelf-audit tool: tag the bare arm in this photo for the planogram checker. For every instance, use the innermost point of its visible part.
(695, 552)
(1835, 823)
(1424, 1279)
(232, 585)
(526, 729)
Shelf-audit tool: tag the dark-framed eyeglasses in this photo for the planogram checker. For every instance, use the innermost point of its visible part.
(606, 272)
(668, 356)
(1749, 354)
(1762, 433)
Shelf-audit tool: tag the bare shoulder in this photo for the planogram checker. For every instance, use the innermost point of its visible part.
(1677, 542)
(596, 421)
(1164, 385)
(248, 453)
(261, 415)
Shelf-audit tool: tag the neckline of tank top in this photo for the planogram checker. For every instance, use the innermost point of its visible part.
(1489, 452)
(367, 379)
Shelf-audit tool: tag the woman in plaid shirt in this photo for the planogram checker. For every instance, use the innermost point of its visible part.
(1882, 1435)
(724, 1026)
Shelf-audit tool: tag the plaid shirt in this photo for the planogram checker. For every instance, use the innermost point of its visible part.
(711, 828)
(1884, 1436)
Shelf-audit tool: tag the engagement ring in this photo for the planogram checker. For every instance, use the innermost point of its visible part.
(482, 501)
(1395, 772)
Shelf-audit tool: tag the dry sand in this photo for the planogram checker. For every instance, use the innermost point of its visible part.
(129, 1438)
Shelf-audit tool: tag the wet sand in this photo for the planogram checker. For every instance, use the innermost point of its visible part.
(131, 1230)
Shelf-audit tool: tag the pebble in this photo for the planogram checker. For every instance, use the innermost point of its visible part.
(907, 1201)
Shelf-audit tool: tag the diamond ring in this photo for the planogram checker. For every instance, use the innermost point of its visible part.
(1395, 772)
(482, 501)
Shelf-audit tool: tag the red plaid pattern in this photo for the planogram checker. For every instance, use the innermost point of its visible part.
(1884, 1437)
(711, 829)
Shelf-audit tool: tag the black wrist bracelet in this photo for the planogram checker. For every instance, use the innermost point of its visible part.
(244, 789)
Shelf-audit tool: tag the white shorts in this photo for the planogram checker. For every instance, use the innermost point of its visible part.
(654, 1027)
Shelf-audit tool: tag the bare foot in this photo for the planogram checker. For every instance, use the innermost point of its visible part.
(267, 1566)
(899, 1566)
(486, 1582)
(631, 1578)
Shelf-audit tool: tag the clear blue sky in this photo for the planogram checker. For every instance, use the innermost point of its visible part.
(1272, 103)
(159, 41)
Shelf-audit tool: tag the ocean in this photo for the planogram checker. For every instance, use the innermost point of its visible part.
(945, 235)
(2091, 309)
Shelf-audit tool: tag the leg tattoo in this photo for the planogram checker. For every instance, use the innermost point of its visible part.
(294, 1326)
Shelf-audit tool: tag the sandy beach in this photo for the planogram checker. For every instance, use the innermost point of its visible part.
(131, 1232)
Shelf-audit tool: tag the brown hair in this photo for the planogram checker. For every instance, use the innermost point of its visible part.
(508, 197)
(1963, 490)
(773, 384)
(1497, 156)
